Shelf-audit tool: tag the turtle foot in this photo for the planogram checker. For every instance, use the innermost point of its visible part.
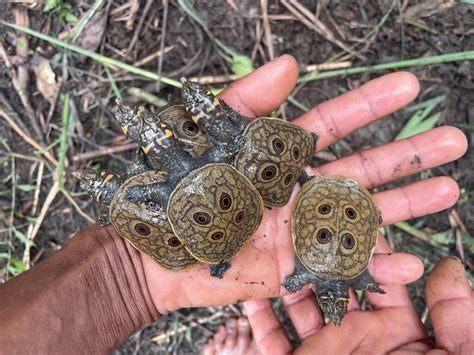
(218, 270)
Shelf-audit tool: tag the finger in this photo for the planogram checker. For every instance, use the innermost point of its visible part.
(395, 268)
(243, 339)
(392, 161)
(231, 338)
(451, 303)
(304, 312)
(396, 294)
(417, 199)
(263, 90)
(268, 333)
(334, 119)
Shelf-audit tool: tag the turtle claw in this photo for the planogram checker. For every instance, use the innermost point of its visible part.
(218, 270)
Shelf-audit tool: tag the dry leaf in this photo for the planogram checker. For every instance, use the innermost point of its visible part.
(45, 78)
(91, 35)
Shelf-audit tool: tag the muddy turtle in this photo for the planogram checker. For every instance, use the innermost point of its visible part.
(334, 227)
(213, 208)
(144, 224)
(270, 152)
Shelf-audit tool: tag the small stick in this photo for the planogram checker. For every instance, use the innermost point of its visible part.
(25, 157)
(267, 29)
(44, 210)
(134, 5)
(104, 151)
(76, 206)
(28, 139)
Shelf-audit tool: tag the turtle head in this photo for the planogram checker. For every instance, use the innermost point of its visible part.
(198, 99)
(102, 185)
(126, 114)
(333, 305)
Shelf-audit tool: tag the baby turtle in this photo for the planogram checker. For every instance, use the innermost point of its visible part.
(270, 152)
(213, 209)
(334, 227)
(144, 224)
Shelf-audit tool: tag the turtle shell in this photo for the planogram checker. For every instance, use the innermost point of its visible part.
(273, 156)
(214, 211)
(190, 136)
(145, 225)
(334, 227)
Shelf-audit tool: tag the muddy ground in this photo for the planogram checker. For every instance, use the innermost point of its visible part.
(411, 30)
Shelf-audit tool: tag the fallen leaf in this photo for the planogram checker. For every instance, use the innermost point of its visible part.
(45, 78)
(92, 34)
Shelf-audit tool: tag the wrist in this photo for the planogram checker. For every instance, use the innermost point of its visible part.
(90, 296)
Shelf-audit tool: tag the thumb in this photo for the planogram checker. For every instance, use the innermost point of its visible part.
(451, 303)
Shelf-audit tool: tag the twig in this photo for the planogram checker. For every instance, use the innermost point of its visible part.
(152, 56)
(267, 29)
(25, 157)
(28, 139)
(29, 233)
(326, 66)
(162, 42)
(134, 5)
(138, 29)
(76, 206)
(308, 19)
(44, 210)
(104, 151)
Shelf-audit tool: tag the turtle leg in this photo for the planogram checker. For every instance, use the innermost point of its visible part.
(103, 219)
(365, 282)
(158, 192)
(139, 164)
(218, 270)
(300, 277)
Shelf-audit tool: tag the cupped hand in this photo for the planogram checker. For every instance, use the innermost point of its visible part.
(393, 326)
(258, 271)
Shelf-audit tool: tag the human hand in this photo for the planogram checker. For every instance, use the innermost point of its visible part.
(269, 256)
(393, 326)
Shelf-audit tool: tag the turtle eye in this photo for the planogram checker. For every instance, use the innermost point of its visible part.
(225, 201)
(202, 218)
(278, 145)
(174, 242)
(323, 236)
(190, 128)
(288, 179)
(240, 217)
(296, 153)
(324, 209)
(217, 236)
(152, 206)
(351, 213)
(348, 241)
(142, 229)
(269, 173)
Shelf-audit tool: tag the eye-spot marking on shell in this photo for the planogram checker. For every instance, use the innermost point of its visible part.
(239, 217)
(350, 213)
(225, 201)
(324, 209)
(278, 146)
(296, 152)
(289, 178)
(202, 218)
(142, 229)
(215, 236)
(323, 235)
(269, 172)
(191, 128)
(173, 242)
(348, 241)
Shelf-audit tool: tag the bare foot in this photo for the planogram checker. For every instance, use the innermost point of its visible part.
(233, 338)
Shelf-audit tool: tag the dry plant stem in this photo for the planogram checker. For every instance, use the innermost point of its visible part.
(39, 221)
(267, 29)
(25, 157)
(258, 39)
(326, 66)
(182, 328)
(21, 78)
(162, 43)
(133, 9)
(104, 151)
(76, 206)
(153, 56)
(138, 28)
(308, 19)
(27, 138)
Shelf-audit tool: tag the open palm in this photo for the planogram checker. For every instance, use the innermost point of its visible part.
(258, 271)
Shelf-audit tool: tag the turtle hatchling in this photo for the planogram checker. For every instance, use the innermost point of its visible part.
(270, 152)
(334, 228)
(212, 208)
(144, 224)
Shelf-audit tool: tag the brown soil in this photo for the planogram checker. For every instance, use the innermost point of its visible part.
(425, 29)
